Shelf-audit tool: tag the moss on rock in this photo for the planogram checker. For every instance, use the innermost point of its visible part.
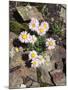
(17, 27)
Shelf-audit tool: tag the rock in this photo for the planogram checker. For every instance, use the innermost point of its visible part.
(62, 52)
(63, 13)
(15, 57)
(29, 84)
(49, 64)
(27, 12)
(12, 36)
(16, 75)
(27, 74)
(57, 54)
(12, 52)
(53, 61)
(35, 84)
(58, 77)
(14, 80)
(46, 68)
(33, 74)
(45, 77)
(16, 60)
(59, 65)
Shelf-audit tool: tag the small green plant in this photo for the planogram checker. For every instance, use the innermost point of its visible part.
(56, 28)
(36, 40)
(39, 46)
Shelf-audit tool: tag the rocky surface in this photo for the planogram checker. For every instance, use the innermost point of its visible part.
(28, 11)
(54, 72)
(58, 77)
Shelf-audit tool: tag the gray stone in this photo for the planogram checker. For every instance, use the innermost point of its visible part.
(59, 64)
(58, 77)
(12, 36)
(14, 80)
(12, 52)
(49, 64)
(33, 74)
(45, 77)
(54, 58)
(63, 13)
(57, 54)
(28, 74)
(35, 84)
(27, 12)
(15, 57)
(16, 60)
(29, 84)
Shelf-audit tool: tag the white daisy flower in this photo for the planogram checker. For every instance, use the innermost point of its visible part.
(38, 61)
(35, 63)
(24, 37)
(34, 23)
(33, 39)
(32, 54)
(41, 31)
(45, 25)
(50, 43)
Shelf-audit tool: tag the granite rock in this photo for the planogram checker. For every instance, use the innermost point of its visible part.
(58, 77)
(27, 12)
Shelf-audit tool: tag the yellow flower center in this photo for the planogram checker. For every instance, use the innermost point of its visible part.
(24, 36)
(50, 43)
(41, 30)
(17, 49)
(33, 25)
(45, 25)
(33, 55)
(34, 63)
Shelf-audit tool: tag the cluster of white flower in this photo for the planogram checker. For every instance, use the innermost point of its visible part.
(25, 37)
(37, 60)
(40, 29)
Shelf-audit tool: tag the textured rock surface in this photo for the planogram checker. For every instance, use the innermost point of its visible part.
(27, 12)
(58, 77)
(27, 75)
(45, 77)
(63, 13)
(16, 60)
(51, 73)
(12, 36)
(15, 80)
